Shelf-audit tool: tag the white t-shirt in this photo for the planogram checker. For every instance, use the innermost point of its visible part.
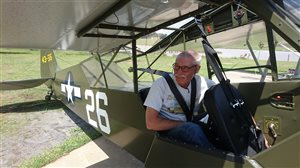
(161, 98)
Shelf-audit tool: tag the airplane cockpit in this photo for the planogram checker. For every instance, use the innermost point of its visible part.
(255, 44)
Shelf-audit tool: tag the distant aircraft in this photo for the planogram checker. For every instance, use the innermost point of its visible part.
(103, 95)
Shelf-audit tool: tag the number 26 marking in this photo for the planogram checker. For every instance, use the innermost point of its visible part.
(101, 114)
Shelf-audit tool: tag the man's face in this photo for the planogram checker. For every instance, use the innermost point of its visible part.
(184, 70)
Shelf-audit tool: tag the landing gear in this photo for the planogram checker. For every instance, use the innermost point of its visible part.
(49, 95)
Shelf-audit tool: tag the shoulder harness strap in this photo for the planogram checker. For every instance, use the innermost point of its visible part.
(188, 112)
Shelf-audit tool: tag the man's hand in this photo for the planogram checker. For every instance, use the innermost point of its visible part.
(156, 123)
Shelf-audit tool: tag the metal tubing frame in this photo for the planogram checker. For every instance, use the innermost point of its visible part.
(297, 68)
(251, 67)
(161, 53)
(254, 56)
(210, 73)
(148, 63)
(108, 52)
(110, 61)
(184, 42)
(251, 51)
(143, 31)
(272, 51)
(142, 52)
(108, 36)
(124, 59)
(126, 28)
(264, 75)
(100, 60)
(128, 58)
(134, 66)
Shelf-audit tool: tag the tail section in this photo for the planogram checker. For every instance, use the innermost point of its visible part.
(48, 64)
(48, 68)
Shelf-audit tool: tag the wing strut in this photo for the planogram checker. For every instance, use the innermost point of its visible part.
(100, 60)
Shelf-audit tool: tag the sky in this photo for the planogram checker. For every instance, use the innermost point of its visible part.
(175, 25)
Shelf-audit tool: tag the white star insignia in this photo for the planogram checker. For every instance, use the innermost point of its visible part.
(69, 89)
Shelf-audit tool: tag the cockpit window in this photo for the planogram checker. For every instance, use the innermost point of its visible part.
(288, 59)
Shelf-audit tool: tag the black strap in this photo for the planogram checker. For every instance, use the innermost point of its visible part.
(188, 112)
(217, 67)
(193, 96)
(210, 53)
(205, 41)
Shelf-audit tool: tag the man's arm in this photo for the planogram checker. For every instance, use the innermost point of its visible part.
(156, 123)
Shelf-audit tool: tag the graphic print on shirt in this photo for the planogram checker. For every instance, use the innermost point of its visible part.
(173, 106)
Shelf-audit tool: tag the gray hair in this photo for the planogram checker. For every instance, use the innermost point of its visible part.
(191, 53)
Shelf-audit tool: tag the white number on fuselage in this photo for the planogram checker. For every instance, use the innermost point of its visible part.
(90, 107)
(104, 125)
(101, 114)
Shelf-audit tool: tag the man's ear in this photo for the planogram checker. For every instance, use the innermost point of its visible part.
(198, 68)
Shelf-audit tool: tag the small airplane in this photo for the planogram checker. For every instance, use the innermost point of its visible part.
(103, 95)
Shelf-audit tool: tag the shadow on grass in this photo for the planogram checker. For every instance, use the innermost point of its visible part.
(33, 106)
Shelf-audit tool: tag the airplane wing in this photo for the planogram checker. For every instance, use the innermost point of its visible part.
(66, 25)
(22, 84)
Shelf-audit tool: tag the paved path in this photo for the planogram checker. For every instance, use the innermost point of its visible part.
(98, 153)
(241, 77)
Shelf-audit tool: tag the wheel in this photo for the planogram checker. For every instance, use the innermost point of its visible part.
(48, 97)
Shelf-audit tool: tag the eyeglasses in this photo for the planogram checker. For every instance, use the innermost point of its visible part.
(183, 68)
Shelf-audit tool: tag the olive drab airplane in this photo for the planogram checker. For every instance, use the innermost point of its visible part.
(100, 92)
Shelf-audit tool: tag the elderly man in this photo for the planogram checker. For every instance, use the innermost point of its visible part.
(164, 114)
